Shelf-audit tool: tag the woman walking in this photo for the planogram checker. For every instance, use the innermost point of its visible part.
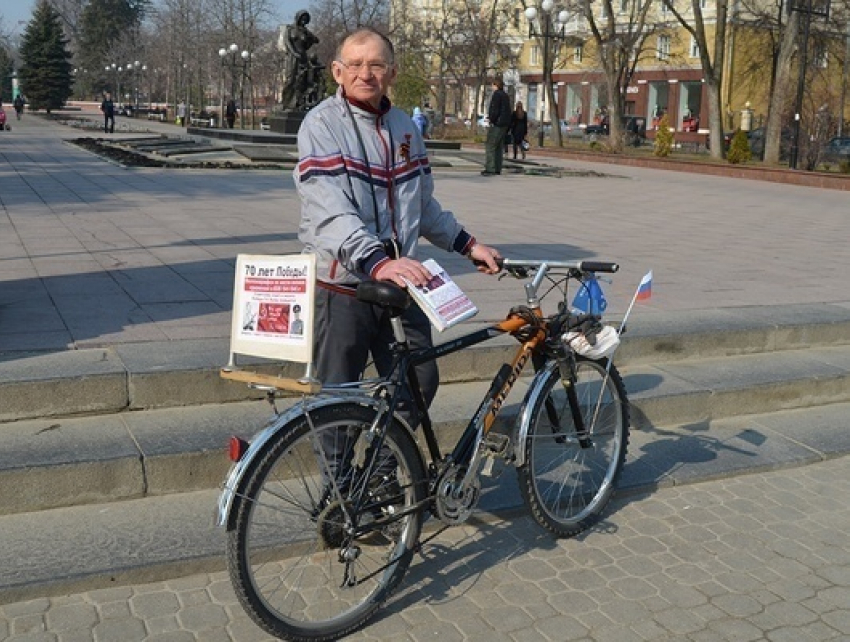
(519, 129)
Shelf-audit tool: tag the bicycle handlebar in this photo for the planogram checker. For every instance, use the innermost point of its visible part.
(582, 266)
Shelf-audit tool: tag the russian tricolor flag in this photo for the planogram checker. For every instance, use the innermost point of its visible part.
(644, 290)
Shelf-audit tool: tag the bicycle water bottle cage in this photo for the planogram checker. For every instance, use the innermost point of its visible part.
(385, 294)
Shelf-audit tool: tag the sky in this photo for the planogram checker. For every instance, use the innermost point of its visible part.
(13, 11)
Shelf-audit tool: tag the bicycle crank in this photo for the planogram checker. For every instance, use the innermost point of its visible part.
(453, 502)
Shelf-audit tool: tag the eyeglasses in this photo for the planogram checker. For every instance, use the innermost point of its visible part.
(375, 68)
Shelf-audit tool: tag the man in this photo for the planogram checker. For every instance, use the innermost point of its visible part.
(108, 109)
(230, 113)
(499, 115)
(366, 197)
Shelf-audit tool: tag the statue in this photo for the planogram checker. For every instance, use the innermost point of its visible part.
(304, 80)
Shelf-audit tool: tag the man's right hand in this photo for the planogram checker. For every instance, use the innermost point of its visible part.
(404, 268)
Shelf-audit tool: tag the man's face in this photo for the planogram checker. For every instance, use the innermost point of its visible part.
(370, 83)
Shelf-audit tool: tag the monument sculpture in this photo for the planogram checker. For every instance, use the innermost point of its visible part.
(304, 80)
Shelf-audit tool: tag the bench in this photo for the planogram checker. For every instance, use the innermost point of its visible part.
(157, 114)
(202, 119)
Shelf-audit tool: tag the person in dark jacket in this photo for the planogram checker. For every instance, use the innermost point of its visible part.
(519, 128)
(230, 113)
(108, 109)
(499, 115)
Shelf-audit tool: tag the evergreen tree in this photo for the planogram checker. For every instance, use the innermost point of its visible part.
(663, 138)
(6, 67)
(103, 25)
(45, 72)
(739, 148)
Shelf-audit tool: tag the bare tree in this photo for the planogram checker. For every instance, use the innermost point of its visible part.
(711, 56)
(620, 38)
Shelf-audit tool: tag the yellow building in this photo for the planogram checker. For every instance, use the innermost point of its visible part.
(668, 75)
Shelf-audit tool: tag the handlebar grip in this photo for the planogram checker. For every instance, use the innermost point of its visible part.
(599, 266)
(500, 263)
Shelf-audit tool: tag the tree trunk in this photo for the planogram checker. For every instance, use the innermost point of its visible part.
(773, 132)
(715, 118)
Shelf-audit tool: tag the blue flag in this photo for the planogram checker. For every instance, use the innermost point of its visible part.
(590, 299)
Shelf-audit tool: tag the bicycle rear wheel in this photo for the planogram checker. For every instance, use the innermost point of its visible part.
(565, 484)
(306, 564)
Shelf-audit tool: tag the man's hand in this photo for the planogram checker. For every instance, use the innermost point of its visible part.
(403, 268)
(486, 255)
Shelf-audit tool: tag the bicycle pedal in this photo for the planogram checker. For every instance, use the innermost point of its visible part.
(497, 444)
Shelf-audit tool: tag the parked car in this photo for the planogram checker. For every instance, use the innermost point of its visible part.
(633, 125)
(756, 140)
(836, 150)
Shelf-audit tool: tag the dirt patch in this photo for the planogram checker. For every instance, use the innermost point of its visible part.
(126, 156)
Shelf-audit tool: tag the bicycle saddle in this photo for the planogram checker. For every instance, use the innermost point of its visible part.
(385, 294)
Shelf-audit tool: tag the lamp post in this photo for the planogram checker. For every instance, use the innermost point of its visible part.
(549, 33)
(246, 62)
(223, 54)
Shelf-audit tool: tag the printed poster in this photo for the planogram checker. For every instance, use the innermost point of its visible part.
(273, 307)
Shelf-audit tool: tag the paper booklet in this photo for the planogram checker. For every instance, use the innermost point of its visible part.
(441, 298)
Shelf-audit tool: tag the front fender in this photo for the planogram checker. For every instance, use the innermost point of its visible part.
(234, 481)
(532, 396)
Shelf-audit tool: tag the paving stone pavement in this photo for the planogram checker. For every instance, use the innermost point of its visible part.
(754, 557)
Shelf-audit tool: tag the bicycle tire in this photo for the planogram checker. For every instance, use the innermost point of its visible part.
(566, 486)
(284, 550)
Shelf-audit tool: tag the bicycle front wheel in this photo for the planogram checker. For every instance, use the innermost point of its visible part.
(318, 544)
(567, 481)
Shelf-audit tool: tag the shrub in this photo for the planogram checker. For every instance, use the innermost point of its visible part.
(739, 148)
(663, 138)
(844, 166)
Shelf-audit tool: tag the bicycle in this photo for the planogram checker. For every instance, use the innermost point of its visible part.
(324, 508)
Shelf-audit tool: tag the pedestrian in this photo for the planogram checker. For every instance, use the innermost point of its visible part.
(499, 115)
(366, 192)
(230, 112)
(108, 109)
(18, 103)
(421, 121)
(181, 114)
(519, 129)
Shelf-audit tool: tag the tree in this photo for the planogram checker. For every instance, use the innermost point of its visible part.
(45, 72)
(711, 60)
(6, 67)
(108, 29)
(620, 38)
(663, 138)
(739, 148)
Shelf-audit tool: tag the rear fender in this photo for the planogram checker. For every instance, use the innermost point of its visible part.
(234, 483)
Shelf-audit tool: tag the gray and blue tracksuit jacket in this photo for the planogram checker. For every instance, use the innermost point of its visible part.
(363, 177)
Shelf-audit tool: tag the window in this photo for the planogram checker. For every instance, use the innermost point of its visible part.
(534, 57)
(694, 52)
(577, 53)
(624, 6)
(821, 55)
(663, 47)
(665, 9)
(516, 18)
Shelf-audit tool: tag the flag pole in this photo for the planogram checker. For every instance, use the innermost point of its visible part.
(647, 277)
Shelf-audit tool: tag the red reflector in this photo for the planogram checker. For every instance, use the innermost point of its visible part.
(237, 448)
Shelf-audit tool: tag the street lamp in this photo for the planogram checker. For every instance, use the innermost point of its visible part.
(246, 61)
(549, 32)
(223, 53)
